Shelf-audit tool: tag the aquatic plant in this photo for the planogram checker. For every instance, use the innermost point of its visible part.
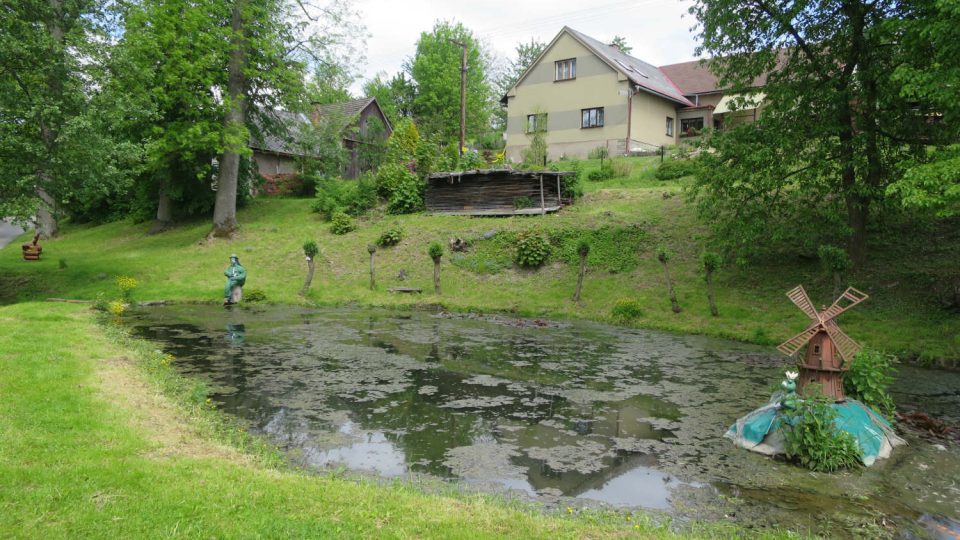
(812, 440)
(868, 378)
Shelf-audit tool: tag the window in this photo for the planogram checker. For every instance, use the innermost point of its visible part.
(669, 127)
(536, 122)
(566, 69)
(591, 118)
(690, 127)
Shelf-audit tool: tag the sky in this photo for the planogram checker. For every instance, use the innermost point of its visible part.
(658, 30)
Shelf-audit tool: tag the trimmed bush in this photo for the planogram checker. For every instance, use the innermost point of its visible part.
(532, 250)
(390, 237)
(341, 223)
(310, 249)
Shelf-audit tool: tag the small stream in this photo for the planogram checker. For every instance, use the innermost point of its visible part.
(563, 413)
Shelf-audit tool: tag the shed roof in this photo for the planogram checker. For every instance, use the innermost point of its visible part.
(281, 140)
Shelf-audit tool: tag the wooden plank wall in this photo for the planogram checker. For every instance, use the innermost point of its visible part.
(484, 193)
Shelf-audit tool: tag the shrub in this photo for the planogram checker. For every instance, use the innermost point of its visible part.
(535, 155)
(117, 308)
(625, 310)
(341, 223)
(600, 152)
(403, 142)
(676, 168)
(310, 249)
(833, 259)
(126, 284)
(435, 251)
(603, 173)
(621, 167)
(471, 160)
(353, 197)
(868, 378)
(407, 196)
(812, 439)
(571, 187)
(390, 237)
(389, 177)
(532, 250)
(522, 202)
(254, 295)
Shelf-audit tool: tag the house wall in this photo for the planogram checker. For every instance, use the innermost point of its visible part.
(596, 85)
(649, 121)
(274, 163)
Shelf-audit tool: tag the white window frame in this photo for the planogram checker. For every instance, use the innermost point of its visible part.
(565, 70)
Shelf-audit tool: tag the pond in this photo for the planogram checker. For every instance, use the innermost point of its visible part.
(564, 413)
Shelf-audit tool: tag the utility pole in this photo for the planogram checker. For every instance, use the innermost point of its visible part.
(463, 94)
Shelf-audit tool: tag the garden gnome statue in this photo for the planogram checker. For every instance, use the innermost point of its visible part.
(236, 277)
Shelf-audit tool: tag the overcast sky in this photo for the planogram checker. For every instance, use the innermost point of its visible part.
(658, 30)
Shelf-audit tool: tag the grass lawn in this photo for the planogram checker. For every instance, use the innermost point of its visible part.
(93, 445)
(634, 212)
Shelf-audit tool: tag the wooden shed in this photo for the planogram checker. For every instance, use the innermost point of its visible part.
(496, 192)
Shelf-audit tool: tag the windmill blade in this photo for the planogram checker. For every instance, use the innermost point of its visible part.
(798, 296)
(792, 345)
(846, 346)
(847, 300)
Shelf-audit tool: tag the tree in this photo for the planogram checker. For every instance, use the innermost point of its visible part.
(835, 127)
(56, 147)
(526, 55)
(930, 75)
(710, 262)
(435, 251)
(620, 43)
(395, 95)
(435, 69)
(664, 257)
(270, 43)
(583, 249)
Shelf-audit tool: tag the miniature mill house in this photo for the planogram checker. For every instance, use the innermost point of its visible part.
(586, 94)
(276, 156)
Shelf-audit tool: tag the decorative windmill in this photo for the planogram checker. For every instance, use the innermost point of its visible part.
(829, 350)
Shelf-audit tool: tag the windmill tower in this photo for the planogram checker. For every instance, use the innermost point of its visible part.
(829, 350)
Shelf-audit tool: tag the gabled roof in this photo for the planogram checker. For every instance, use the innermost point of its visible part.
(347, 111)
(276, 143)
(281, 141)
(645, 76)
(695, 77)
(640, 73)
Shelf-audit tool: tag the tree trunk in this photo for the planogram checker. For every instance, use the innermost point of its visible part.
(673, 297)
(46, 214)
(710, 300)
(857, 213)
(225, 208)
(583, 270)
(47, 211)
(311, 266)
(373, 280)
(436, 276)
(837, 284)
(164, 213)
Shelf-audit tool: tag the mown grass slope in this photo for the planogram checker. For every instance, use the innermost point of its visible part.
(626, 217)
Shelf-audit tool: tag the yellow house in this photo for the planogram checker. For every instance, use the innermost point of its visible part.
(585, 94)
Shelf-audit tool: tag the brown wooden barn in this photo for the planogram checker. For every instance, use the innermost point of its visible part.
(496, 192)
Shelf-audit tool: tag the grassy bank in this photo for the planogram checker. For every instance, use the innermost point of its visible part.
(633, 213)
(91, 447)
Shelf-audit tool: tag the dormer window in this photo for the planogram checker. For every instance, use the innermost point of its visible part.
(566, 69)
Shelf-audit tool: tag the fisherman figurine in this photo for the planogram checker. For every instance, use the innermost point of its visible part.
(236, 277)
